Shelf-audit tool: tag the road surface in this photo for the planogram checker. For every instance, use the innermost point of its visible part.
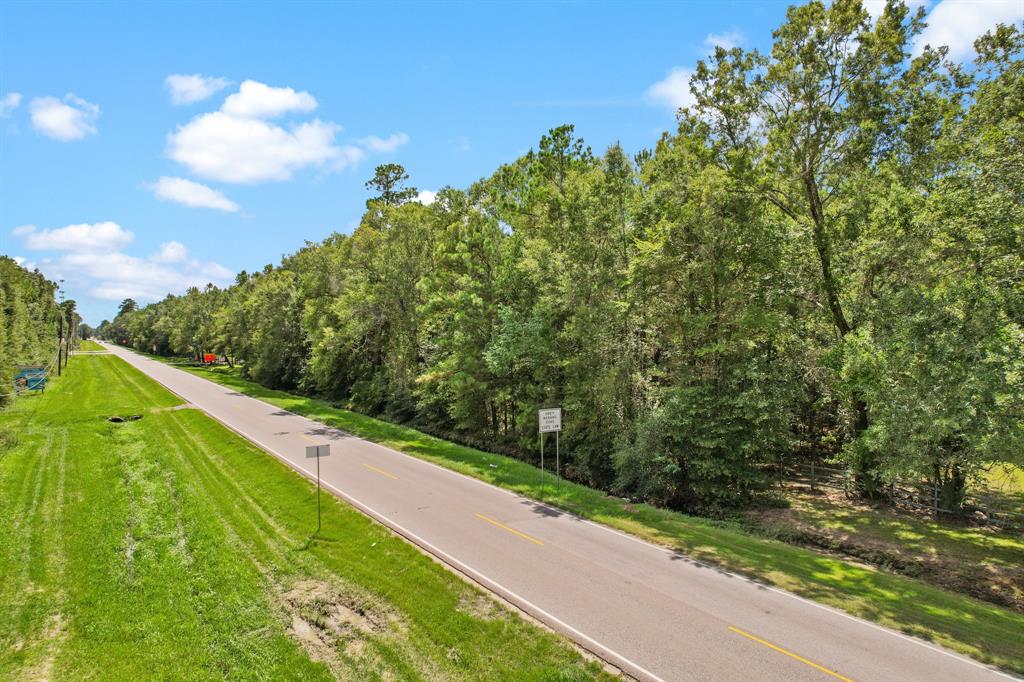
(652, 612)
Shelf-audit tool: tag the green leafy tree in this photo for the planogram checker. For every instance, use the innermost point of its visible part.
(805, 129)
(389, 183)
(823, 261)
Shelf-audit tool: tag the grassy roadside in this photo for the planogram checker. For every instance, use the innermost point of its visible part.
(983, 631)
(168, 547)
(88, 344)
(971, 560)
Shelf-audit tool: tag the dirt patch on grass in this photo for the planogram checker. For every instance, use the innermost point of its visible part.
(480, 606)
(333, 624)
(994, 583)
(51, 638)
(172, 408)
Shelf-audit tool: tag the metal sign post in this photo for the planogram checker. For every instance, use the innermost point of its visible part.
(549, 420)
(318, 451)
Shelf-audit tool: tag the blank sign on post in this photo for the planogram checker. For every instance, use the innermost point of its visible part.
(318, 451)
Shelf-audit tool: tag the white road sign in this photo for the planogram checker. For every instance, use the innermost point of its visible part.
(550, 419)
(318, 451)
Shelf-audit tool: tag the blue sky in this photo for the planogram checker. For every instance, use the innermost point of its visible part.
(148, 147)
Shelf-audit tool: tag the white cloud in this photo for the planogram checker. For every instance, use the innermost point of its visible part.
(376, 144)
(957, 23)
(92, 261)
(257, 100)
(349, 156)
(115, 276)
(426, 197)
(674, 90)
(193, 194)
(239, 144)
(84, 237)
(186, 89)
(170, 252)
(727, 40)
(70, 119)
(9, 103)
(245, 150)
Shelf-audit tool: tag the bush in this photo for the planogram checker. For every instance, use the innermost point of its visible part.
(702, 449)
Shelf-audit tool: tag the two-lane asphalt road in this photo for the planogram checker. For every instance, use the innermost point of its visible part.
(652, 612)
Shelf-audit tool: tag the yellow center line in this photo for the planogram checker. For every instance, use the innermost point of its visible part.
(790, 654)
(510, 530)
(380, 471)
(311, 440)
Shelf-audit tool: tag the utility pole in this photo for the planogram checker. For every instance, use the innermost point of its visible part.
(72, 335)
(60, 327)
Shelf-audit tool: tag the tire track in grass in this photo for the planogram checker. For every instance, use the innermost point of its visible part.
(118, 631)
(188, 453)
(24, 590)
(220, 470)
(259, 537)
(148, 394)
(181, 543)
(243, 531)
(54, 560)
(255, 545)
(23, 469)
(153, 574)
(414, 660)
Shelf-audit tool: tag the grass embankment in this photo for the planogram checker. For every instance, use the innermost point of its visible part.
(976, 561)
(89, 344)
(981, 630)
(170, 548)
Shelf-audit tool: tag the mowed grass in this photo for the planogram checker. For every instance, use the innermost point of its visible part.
(981, 630)
(88, 344)
(170, 548)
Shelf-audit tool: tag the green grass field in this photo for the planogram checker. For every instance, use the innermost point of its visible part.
(984, 631)
(169, 548)
(88, 344)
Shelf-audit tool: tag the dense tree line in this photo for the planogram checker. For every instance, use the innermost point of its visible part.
(30, 321)
(825, 259)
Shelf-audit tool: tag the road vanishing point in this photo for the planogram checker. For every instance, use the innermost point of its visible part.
(652, 612)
